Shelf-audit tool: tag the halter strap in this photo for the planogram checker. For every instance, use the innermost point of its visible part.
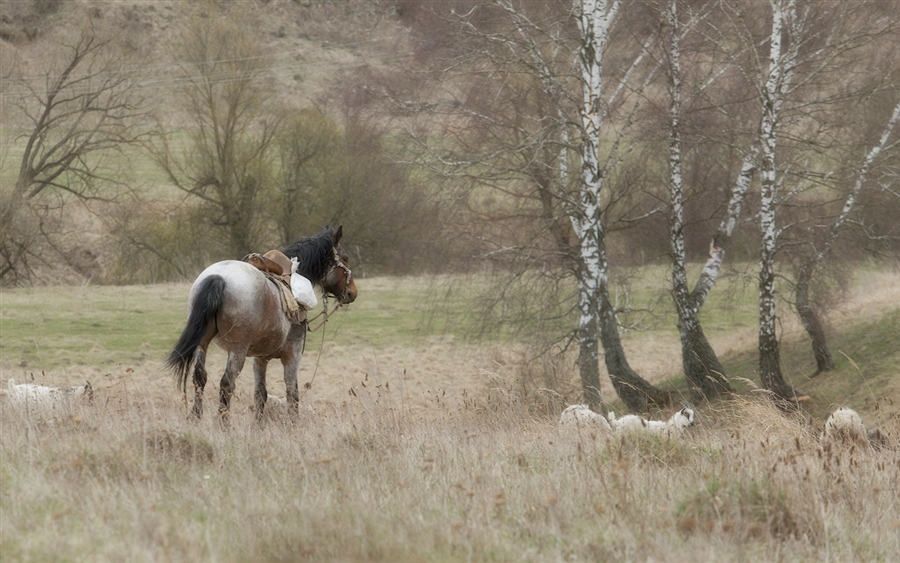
(325, 312)
(341, 265)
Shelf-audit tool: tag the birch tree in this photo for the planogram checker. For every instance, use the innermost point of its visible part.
(700, 363)
(822, 247)
(595, 20)
(536, 99)
(782, 59)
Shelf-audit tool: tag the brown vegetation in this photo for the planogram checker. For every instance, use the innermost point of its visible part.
(370, 478)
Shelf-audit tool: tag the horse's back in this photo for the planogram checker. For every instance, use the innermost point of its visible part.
(239, 276)
(251, 315)
(245, 286)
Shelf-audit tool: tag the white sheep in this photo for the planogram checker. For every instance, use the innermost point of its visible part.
(845, 425)
(582, 417)
(672, 427)
(30, 395)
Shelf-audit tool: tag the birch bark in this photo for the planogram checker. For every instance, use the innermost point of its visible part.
(700, 363)
(596, 312)
(807, 313)
(772, 98)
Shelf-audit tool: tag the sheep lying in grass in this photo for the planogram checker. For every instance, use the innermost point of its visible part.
(845, 426)
(582, 417)
(30, 395)
(672, 427)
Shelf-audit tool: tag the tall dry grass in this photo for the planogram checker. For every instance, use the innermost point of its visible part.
(130, 478)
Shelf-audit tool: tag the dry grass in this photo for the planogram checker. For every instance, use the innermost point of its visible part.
(374, 478)
(412, 447)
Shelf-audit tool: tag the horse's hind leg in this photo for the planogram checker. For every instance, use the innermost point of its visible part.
(199, 380)
(226, 389)
(260, 395)
(200, 375)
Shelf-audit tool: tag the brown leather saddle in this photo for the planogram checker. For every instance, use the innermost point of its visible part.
(277, 267)
(273, 261)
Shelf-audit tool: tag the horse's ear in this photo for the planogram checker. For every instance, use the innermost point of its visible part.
(338, 234)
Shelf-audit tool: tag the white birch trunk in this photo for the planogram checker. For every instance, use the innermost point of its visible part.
(772, 99)
(713, 264)
(861, 178)
(805, 310)
(700, 363)
(676, 184)
(594, 22)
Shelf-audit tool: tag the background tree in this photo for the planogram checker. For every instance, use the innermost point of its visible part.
(700, 363)
(821, 247)
(75, 118)
(344, 172)
(222, 158)
(525, 99)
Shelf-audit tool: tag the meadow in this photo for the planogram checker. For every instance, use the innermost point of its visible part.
(417, 443)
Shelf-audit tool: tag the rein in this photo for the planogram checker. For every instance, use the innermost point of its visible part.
(324, 313)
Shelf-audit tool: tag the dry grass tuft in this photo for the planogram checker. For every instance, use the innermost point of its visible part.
(747, 510)
(755, 417)
(186, 447)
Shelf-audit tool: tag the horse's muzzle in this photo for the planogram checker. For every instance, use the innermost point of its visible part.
(349, 294)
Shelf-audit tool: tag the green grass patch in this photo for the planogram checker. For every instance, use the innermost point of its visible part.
(57, 327)
(866, 356)
(54, 327)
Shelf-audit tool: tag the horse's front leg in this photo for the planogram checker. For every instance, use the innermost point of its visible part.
(290, 359)
(226, 389)
(260, 395)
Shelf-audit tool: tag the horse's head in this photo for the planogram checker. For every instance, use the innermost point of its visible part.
(338, 280)
(322, 260)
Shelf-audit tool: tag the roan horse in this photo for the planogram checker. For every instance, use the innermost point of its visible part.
(234, 305)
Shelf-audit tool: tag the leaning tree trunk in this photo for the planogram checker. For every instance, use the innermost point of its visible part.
(701, 365)
(805, 310)
(812, 324)
(637, 394)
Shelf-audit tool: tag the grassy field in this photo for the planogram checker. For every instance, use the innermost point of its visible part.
(415, 443)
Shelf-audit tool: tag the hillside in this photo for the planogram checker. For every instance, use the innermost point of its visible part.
(311, 43)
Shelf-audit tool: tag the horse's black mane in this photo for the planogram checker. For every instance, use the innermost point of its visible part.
(314, 255)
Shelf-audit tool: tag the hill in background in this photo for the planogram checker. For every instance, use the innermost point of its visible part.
(312, 43)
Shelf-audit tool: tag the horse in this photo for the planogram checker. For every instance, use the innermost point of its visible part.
(235, 305)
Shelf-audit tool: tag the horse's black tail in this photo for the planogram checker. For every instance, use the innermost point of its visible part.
(207, 302)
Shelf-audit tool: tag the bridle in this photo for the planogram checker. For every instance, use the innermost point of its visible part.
(341, 265)
(340, 299)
